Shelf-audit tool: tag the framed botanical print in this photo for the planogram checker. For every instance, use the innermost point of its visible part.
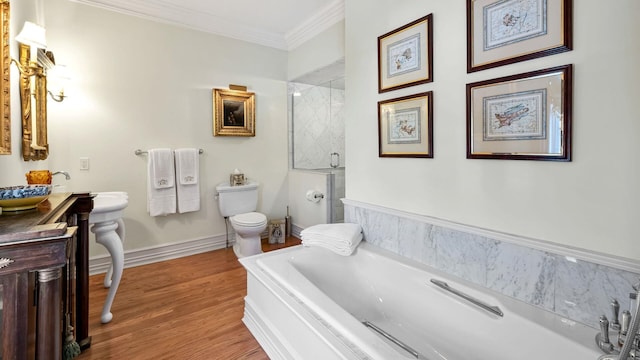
(233, 113)
(405, 55)
(405, 126)
(501, 32)
(521, 117)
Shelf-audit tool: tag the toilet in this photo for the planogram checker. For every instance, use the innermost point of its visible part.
(239, 203)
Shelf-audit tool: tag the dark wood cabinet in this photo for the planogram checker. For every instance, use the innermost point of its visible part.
(44, 277)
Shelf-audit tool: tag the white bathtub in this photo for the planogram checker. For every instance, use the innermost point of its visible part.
(309, 303)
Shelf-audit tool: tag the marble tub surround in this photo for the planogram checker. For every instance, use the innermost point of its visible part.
(573, 283)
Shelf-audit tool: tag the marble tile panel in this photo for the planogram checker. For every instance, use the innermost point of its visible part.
(415, 242)
(584, 290)
(382, 230)
(462, 254)
(522, 273)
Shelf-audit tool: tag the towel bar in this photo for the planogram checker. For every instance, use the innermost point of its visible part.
(142, 152)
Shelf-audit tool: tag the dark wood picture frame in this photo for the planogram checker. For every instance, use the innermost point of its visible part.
(492, 38)
(521, 117)
(405, 126)
(405, 55)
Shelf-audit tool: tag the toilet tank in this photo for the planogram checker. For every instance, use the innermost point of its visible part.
(233, 200)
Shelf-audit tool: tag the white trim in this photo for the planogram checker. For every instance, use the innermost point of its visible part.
(563, 250)
(259, 329)
(197, 20)
(320, 22)
(100, 264)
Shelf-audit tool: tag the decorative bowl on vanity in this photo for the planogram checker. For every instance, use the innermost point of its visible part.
(23, 197)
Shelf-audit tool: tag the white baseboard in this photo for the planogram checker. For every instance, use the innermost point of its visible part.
(144, 256)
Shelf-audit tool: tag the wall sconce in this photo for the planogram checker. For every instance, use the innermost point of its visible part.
(42, 61)
(33, 91)
(57, 78)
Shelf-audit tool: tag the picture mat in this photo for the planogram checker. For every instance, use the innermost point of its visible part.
(405, 148)
(553, 38)
(552, 145)
(421, 30)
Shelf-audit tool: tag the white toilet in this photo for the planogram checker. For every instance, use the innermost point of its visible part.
(239, 203)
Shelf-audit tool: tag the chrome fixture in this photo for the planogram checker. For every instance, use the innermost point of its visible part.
(337, 163)
(626, 344)
(66, 174)
(492, 309)
(393, 339)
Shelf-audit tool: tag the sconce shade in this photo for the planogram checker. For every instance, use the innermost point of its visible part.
(57, 78)
(32, 35)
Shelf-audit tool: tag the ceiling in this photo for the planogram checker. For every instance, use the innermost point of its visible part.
(281, 24)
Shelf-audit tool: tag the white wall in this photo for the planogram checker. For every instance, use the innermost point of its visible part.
(140, 84)
(591, 202)
(322, 50)
(305, 213)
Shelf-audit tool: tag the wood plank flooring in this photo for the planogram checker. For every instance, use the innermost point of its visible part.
(188, 308)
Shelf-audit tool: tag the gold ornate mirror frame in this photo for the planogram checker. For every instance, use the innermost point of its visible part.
(5, 87)
(33, 82)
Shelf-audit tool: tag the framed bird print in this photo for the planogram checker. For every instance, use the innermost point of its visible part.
(405, 55)
(405, 126)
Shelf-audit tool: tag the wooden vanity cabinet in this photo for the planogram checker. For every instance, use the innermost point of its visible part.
(42, 277)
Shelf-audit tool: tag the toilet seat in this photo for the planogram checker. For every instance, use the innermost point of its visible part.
(252, 219)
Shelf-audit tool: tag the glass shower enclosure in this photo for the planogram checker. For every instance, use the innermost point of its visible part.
(317, 149)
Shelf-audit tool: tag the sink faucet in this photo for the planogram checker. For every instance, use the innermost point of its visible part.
(66, 174)
(628, 343)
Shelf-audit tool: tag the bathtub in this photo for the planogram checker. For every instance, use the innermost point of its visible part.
(307, 303)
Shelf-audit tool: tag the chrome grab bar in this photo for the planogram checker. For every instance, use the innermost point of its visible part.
(392, 338)
(492, 309)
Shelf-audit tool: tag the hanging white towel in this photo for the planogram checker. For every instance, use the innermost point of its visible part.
(161, 190)
(188, 187)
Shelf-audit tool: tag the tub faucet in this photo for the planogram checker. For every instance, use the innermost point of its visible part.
(627, 344)
(66, 174)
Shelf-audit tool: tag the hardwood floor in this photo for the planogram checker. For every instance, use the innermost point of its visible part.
(188, 308)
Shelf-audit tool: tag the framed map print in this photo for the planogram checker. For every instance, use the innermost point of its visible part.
(521, 117)
(508, 31)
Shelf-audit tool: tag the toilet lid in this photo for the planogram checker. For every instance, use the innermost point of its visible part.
(249, 219)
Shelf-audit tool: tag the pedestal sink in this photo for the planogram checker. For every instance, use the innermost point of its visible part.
(108, 226)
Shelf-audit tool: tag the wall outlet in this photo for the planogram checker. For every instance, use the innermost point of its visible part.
(84, 163)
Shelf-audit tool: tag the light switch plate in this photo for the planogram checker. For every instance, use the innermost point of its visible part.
(84, 163)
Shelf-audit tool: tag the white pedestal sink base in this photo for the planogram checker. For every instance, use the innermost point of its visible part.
(107, 236)
(108, 228)
(120, 231)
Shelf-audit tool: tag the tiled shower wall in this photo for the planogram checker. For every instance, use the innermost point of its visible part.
(318, 126)
(545, 275)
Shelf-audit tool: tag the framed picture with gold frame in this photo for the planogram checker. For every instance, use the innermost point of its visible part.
(233, 113)
(405, 55)
(405, 126)
(521, 117)
(501, 32)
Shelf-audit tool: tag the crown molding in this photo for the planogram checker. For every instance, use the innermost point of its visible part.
(313, 26)
(202, 21)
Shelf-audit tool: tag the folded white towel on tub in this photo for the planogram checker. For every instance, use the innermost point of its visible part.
(342, 238)
(188, 188)
(161, 190)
